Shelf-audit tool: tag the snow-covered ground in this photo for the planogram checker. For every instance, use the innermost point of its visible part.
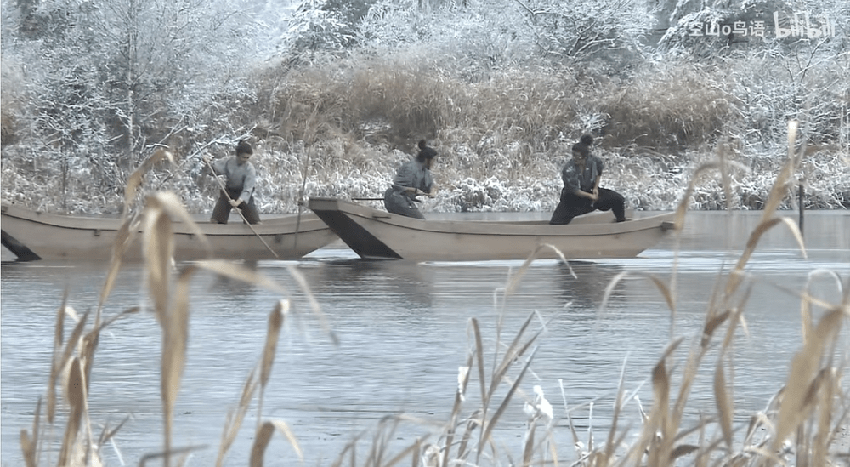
(466, 183)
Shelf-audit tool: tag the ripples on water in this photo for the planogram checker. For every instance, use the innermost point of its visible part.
(404, 330)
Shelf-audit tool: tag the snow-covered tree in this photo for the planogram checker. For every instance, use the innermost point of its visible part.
(116, 76)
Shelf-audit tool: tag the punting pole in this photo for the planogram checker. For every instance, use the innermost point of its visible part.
(224, 190)
(800, 193)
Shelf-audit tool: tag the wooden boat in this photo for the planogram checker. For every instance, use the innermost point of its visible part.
(32, 235)
(375, 234)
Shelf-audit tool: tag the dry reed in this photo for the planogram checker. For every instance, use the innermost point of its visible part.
(810, 408)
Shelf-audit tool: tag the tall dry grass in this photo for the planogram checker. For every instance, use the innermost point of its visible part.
(803, 418)
(672, 106)
(393, 99)
(401, 97)
(73, 357)
(352, 118)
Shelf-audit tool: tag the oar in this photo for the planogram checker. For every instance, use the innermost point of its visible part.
(418, 192)
(224, 190)
(301, 201)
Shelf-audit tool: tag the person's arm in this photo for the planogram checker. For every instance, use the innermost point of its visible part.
(571, 181)
(579, 192)
(595, 190)
(585, 194)
(427, 184)
(217, 165)
(418, 192)
(249, 183)
(405, 178)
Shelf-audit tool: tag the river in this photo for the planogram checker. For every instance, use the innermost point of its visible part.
(404, 330)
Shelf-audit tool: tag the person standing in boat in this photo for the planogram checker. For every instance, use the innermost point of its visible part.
(241, 181)
(581, 193)
(412, 179)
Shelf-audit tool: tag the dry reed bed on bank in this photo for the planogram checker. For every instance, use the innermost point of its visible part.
(397, 98)
(809, 410)
(347, 122)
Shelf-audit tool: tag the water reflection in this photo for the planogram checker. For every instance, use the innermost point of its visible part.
(234, 288)
(408, 281)
(403, 332)
(583, 283)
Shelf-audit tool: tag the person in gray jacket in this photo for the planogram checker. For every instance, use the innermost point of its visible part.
(241, 181)
(581, 193)
(412, 179)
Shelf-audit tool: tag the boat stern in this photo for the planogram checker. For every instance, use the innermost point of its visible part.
(366, 245)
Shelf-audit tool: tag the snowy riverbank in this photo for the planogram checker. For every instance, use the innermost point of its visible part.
(499, 181)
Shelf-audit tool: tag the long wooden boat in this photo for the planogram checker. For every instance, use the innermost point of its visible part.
(32, 235)
(375, 234)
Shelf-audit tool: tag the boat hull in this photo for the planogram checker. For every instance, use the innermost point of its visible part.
(375, 234)
(53, 237)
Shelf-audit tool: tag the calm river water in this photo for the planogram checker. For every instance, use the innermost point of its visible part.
(403, 332)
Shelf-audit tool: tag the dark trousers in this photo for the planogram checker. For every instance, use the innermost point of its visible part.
(397, 203)
(572, 205)
(221, 212)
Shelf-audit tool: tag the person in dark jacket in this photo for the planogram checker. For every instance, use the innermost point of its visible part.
(412, 179)
(581, 193)
(241, 181)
